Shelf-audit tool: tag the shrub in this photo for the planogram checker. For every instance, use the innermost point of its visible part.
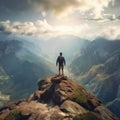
(13, 115)
(79, 96)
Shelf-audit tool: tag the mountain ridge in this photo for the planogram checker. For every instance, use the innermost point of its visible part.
(98, 70)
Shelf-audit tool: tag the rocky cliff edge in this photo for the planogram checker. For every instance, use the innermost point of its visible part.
(57, 98)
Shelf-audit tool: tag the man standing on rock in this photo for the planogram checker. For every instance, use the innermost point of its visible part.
(61, 61)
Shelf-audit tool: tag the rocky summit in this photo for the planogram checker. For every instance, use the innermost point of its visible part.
(57, 98)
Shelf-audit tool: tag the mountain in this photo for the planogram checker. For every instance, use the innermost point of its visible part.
(20, 67)
(103, 79)
(92, 63)
(24, 59)
(57, 98)
(96, 52)
(98, 69)
(114, 106)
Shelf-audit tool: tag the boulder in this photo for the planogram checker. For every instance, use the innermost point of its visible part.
(72, 107)
(105, 114)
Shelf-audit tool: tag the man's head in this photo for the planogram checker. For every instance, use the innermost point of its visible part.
(60, 53)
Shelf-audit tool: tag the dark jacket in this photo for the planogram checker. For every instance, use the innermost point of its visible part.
(60, 60)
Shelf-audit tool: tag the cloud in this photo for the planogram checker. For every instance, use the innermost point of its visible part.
(55, 6)
(65, 7)
(105, 18)
(40, 28)
(45, 30)
(111, 32)
(26, 28)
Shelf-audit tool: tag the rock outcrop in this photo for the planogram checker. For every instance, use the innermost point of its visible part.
(57, 98)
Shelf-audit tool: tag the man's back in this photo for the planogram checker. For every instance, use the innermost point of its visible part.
(61, 61)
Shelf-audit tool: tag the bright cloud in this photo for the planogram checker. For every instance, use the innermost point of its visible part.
(26, 28)
(39, 28)
(65, 7)
(111, 32)
(45, 30)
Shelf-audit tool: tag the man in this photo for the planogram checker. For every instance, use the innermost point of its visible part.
(61, 61)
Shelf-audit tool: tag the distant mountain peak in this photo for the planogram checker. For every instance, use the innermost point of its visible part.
(60, 98)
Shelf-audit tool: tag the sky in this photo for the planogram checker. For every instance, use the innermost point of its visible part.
(87, 19)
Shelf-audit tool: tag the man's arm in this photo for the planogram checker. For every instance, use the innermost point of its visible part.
(57, 60)
(64, 62)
